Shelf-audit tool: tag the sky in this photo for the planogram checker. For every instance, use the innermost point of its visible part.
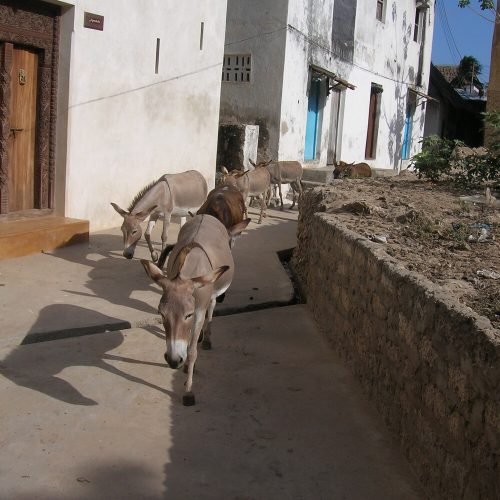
(462, 32)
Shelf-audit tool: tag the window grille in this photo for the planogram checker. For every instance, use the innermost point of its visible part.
(380, 10)
(237, 68)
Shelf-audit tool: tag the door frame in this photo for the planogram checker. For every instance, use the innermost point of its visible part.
(34, 25)
(334, 151)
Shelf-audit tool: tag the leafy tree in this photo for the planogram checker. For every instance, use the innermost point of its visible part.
(483, 4)
(468, 71)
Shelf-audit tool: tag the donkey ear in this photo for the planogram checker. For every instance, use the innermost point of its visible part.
(122, 212)
(210, 277)
(145, 213)
(251, 162)
(152, 271)
(237, 229)
(224, 170)
(164, 254)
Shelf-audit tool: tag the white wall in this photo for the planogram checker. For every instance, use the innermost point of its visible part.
(257, 28)
(385, 53)
(308, 21)
(120, 125)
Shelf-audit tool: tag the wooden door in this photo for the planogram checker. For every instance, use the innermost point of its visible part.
(23, 105)
(372, 125)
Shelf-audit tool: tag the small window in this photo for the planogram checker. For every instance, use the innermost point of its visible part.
(237, 68)
(417, 34)
(380, 10)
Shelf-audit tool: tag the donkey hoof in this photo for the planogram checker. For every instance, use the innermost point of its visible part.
(206, 344)
(155, 256)
(188, 399)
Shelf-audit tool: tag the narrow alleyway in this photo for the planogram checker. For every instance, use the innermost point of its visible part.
(277, 416)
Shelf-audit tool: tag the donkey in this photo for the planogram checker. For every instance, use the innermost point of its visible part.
(343, 169)
(171, 194)
(200, 268)
(225, 203)
(251, 183)
(287, 172)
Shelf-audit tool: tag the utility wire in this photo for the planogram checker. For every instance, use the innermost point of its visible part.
(483, 16)
(450, 40)
(338, 56)
(327, 50)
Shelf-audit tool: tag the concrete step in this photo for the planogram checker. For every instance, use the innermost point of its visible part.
(27, 236)
(323, 175)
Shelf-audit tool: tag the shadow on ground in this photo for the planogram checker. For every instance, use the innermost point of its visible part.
(27, 368)
(277, 417)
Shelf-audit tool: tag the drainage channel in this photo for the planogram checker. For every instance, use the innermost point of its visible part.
(284, 256)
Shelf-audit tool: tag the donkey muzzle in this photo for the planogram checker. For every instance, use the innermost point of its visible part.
(174, 363)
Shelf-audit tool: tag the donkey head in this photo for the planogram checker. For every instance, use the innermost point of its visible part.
(178, 307)
(340, 168)
(131, 228)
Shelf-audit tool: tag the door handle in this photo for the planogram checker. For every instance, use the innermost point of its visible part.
(14, 130)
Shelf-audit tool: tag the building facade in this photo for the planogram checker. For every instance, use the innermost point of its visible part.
(329, 80)
(116, 96)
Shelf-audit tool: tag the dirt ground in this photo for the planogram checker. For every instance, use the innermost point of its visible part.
(431, 230)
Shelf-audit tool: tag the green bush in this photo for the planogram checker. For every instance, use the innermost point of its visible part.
(477, 171)
(434, 160)
(470, 172)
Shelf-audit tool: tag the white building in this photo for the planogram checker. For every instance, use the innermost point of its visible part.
(121, 93)
(331, 79)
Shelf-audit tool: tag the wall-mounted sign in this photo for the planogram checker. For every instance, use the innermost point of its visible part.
(93, 21)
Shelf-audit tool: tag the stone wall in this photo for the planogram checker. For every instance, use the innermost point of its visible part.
(430, 364)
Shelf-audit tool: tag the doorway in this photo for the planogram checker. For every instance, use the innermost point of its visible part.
(29, 51)
(22, 139)
(312, 120)
(408, 127)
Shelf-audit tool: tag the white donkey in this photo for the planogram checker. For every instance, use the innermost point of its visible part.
(171, 194)
(200, 267)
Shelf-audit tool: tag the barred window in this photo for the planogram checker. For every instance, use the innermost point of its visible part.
(417, 33)
(380, 10)
(237, 68)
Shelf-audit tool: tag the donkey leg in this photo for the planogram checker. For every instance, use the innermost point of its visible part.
(188, 398)
(246, 202)
(281, 195)
(293, 185)
(262, 207)
(166, 224)
(147, 236)
(301, 190)
(207, 332)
